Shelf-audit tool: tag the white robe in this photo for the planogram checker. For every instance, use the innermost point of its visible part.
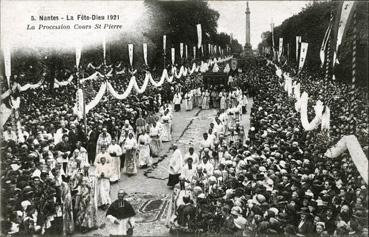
(115, 161)
(175, 162)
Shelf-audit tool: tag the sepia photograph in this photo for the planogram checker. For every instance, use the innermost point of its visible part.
(184, 118)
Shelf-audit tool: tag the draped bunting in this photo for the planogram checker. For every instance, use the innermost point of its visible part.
(29, 86)
(62, 83)
(293, 89)
(318, 108)
(357, 154)
(97, 98)
(93, 67)
(5, 112)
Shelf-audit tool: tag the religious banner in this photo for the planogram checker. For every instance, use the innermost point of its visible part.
(186, 51)
(199, 35)
(130, 53)
(324, 44)
(181, 50)
(173, 55)
(298, 41)
(272, 29)
(219, 49)
(164, 43)
(209, 49)
(280, 51)
(346, 12)
(202, 50)
(7, 63)
(145, 52)
(303, 53)
(194, 52)
(78, 54)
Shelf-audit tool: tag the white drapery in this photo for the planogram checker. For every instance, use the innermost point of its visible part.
(357, 154)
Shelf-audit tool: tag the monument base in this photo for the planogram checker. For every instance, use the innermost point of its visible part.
(247, 51)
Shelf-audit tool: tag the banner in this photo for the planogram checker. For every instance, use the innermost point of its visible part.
(209, 49)
(298, 41)
(186, 51)
(130, 53)
(202, 50)
(272, 29)
(145, 52)
(164, 43)
(199, 35)
(173, 55)
(303, 53)
(104, 49)
(280, 51)
(78, 54)
(7, 63)
(357, 154)
(194, 52)
(181, 50)
(324, 44)
(346, 11)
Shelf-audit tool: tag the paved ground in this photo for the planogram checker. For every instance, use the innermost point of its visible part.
(147, 190)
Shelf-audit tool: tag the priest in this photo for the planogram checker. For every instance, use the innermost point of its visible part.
(120, 215)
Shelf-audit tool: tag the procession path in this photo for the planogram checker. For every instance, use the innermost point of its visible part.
(148, 191)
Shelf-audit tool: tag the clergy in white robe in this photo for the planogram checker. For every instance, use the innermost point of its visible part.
(144, 158)
(115, 152)
(130, 146)
(103, 140)
(166, 124)
(177, 101)
(80, 153)
(103, 174)
(175, 166)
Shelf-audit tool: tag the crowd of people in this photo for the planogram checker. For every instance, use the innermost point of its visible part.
(278, 181)
(57, 169)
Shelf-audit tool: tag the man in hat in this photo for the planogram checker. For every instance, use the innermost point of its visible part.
(175, 166)
(120, 214)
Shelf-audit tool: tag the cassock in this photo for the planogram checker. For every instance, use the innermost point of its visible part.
(121, 211)
(175, 165)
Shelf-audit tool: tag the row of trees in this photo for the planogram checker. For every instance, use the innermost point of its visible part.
(311, 24)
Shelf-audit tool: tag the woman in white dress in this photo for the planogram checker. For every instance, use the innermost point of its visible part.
(144, 158)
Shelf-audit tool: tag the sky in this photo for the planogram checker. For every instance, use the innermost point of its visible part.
(17, 15)
(233, 19)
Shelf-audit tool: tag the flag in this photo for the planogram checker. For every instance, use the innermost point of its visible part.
(130, 53)
(272, 29)
(78, 54)
(181, 50)
(343, 17)
(298, 41)
(280, 51)
(303, 53)
(199, 35)
(104, 49)
(324, 43)
(164, 43)
(7, 63)
(145, 52)
(186, 51)
(173, 55)
(209, 48)
(194, 52)
(202, 50)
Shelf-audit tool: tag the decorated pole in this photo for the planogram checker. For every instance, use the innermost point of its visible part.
(145, 52)
(7, 62)
(352, 98)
